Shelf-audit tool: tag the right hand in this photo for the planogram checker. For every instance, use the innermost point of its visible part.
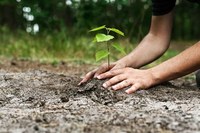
(102, 69)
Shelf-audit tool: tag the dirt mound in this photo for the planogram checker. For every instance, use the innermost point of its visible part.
(94, 90)
(40, 101)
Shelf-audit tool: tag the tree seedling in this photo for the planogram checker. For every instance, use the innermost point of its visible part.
(106, 38)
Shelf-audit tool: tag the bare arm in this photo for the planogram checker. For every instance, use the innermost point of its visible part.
(186, 62)
(153, 45)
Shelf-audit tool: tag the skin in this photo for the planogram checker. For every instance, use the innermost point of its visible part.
(125, 72)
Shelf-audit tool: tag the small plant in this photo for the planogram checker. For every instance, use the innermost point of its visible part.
(100, 37)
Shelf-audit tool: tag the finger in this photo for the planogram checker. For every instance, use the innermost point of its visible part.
(114, 80)
(87, 77)
(122, 85)
(103, 69)
(110, 74)
(133, 88)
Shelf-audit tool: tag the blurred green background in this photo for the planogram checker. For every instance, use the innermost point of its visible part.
(58, 29)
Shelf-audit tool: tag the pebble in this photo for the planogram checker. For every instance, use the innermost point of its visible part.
(10, 96)
(15, 100)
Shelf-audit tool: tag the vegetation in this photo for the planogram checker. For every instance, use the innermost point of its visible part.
(58, 46)
(77, 16)
(55, 30)
(100, 37)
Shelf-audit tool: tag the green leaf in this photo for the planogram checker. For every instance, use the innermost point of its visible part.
(101, 54)
(103, 37)
(116, 31)
(119, 48)
(98, 28)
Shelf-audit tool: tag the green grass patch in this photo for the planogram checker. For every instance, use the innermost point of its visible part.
(167, 55)
(59, 46)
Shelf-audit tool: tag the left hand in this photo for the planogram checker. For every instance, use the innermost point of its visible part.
(121, 78)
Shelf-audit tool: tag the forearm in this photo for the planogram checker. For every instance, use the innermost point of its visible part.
(186, 62)
(150, 48)
(154, 44)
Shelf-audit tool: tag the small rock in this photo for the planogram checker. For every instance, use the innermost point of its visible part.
(40, 103)
(188, 116)
(36, 128)
(64, 99)
(13, 63)
(165, 107)
(15, 100)
(29, 99)
(10, 96)
(38, 120)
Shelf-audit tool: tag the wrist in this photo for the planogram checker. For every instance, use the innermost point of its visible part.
(156, 76)
(127, 61)
(123, 62)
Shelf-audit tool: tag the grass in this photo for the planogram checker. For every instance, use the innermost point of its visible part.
(46, 46)
(58, 46)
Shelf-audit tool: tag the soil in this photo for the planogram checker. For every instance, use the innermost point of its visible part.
(48, 100)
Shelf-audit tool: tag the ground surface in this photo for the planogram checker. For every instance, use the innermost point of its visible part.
(43, 98)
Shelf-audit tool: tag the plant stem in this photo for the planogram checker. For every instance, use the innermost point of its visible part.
(108, 49)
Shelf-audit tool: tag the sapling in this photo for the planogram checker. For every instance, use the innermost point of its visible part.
(106, 38)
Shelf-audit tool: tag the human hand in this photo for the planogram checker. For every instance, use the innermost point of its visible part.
(121, 78)
(102, 69)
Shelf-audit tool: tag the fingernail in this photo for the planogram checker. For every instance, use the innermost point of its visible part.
(104, 85)
(127, 91)
(80, 83)
(95, 76)
(99, 77)
(113, 87)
